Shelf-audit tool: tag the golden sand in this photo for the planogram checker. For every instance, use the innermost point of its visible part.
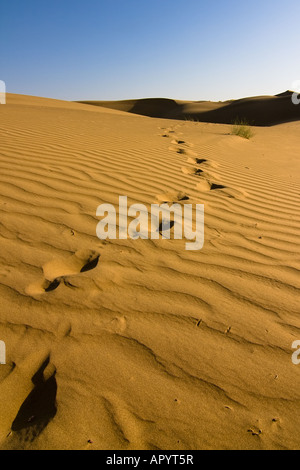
(125, 344)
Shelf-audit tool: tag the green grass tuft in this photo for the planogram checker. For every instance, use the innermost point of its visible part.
(242, 129)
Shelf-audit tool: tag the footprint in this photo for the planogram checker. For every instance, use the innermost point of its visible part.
(206, 185)
(181, 142)
(80, 262)
(39, 408)
(196, 161)
(191, 171)
(205, 162)
(28, 398)
(198, 172)
(165, 226)
(192, 160)
(55, 271)
(172, 197)
(183, 151)
(42, 287)
(215, 186)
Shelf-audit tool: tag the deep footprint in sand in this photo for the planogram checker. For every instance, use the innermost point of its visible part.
(172, 197)
(206, 185)
(176, 142)
(199, 173)
(204, 162)
(191, 171)
(215, 186)
(28, 398)
(81, 261)
(42, 287)
(196, 161)
(55, 271)
(203, 185)
(183, 151)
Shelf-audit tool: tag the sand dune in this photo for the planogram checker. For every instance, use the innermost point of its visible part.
(141, 344)
(258, 111)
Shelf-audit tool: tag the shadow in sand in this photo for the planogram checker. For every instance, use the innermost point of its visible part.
(39, 408)
(91, 265)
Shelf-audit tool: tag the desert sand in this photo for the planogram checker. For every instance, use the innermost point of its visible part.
(140, 344)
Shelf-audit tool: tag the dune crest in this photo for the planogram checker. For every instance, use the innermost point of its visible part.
(257, 111)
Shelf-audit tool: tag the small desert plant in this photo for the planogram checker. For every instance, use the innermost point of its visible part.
(241, 128)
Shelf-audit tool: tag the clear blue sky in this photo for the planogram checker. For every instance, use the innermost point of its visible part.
(120, 49)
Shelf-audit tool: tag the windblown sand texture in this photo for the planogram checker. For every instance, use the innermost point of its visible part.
(127, 344)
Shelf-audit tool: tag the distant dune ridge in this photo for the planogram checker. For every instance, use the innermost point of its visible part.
(124, 344)
(257, 111)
